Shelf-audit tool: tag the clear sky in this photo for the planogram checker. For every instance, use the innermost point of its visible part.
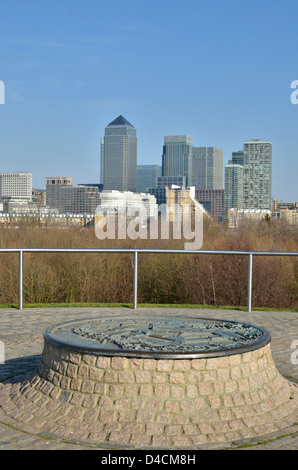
(218, 70)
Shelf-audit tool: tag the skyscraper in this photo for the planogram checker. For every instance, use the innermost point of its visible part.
(237, 157)
(177, 157)
(207, 168)
(159, 191)
(257, 177)
(233, 198)
(16, 185)
(102, 160)
(119, 156)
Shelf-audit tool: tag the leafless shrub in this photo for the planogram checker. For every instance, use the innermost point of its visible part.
(163, 278)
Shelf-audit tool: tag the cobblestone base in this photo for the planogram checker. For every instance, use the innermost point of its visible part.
(152, 402)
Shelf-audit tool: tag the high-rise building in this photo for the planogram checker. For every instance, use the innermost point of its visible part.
(102, 160)
(207, 168)
(147, 177)
(237, 157)
(233, 186)
(119, 156)
(16, 186)
(163, 182)
(177, 156)
(257, 177)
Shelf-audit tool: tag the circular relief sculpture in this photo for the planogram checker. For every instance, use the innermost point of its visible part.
(158, 337)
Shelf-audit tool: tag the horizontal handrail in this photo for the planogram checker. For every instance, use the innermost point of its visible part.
(150, 250)
(135, 251)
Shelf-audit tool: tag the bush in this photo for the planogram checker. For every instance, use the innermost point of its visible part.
(162, 278)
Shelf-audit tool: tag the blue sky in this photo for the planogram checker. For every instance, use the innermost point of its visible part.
(218, 70)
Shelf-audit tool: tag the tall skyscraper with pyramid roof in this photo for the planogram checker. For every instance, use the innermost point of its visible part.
(118, 161)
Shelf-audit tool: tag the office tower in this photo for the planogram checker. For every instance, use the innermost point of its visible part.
(163, 182)
(53, 190)
(62, 195)
(233, 186)
(212, 200)
(147, 177)
(257, 176)
(119, 156)
(102, 160)
(16, 186)
(177, 156)
(237, 157)
(207, 168)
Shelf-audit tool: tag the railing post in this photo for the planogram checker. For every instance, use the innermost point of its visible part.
(20, 280)
(135, 280)
(249, 290)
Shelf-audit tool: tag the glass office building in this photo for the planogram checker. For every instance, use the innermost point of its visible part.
(207, 168)
(233, 186)
(177, 157)
(147, 177)
(16, 185)
(162, 183)
(119, 156)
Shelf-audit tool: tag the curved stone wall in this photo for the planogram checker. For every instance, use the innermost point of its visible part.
(153, 402)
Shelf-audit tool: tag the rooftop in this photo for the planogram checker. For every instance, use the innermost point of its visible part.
(120, 121)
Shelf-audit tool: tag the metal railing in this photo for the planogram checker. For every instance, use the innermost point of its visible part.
(135, 251)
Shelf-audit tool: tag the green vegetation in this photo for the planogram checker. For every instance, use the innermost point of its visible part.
(127, 305)
(178, 280)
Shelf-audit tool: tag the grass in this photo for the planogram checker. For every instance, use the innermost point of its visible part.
(130, 305)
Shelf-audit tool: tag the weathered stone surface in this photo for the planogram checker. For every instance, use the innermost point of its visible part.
(154, 401)
(150, 401)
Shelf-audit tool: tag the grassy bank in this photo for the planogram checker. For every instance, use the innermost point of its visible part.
(147, 306)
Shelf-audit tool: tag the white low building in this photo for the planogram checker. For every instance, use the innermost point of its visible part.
(118, 201)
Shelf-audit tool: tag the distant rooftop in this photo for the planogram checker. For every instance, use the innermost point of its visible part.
(120, 121)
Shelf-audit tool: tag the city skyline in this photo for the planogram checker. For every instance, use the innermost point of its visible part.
(65, 78)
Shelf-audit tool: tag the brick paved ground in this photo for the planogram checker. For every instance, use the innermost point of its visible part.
(22, 334)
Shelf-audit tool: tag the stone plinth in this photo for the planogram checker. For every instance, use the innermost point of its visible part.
(161, 402)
